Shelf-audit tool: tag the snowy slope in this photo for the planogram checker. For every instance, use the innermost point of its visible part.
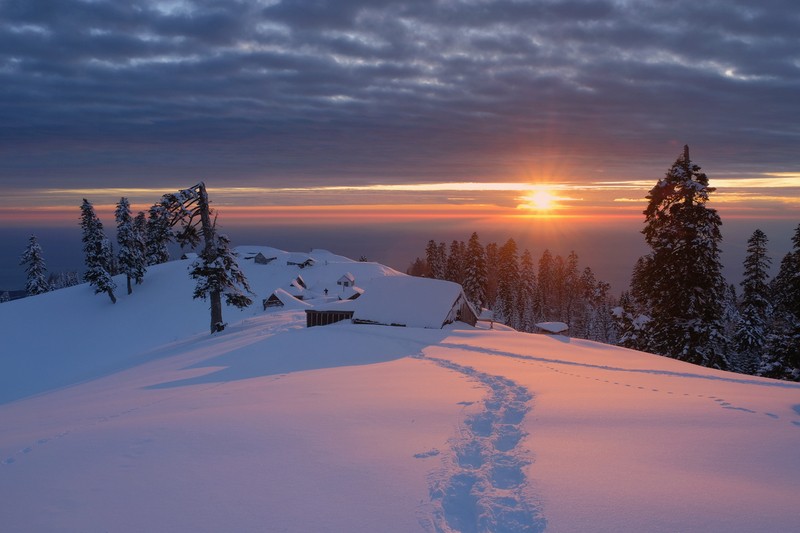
(270, 426)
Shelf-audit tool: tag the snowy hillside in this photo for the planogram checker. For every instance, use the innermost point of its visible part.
(131, 417)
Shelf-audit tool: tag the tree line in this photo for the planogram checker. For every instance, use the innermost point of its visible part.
(143, 240)
(522, 292)
(678, 303)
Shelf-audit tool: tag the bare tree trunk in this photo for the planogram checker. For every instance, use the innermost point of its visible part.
(130, 289)
(111, 295)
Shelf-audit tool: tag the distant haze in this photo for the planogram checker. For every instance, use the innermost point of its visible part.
(610, 249)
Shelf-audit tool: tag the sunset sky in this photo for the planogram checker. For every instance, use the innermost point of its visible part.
(551, 115)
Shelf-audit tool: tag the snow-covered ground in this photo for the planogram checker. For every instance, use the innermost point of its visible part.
(131, 417)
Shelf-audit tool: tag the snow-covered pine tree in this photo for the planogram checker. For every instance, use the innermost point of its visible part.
(454, 270)
(436, 257)
(140, 238)
(545, 287)
(158, 234)
(527, 292)
(783, 340)
(508, 282)
(130, 257)
(682, 283)
(492, 272)
(216, 270)
(475, 273)
(36, 281)
(750, 334)
(97, 252)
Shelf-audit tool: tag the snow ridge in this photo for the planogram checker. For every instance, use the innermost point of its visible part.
(484, 488)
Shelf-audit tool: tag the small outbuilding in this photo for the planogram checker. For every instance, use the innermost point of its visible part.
(347, 280)
(413, 302)
(261, 259)
(281, 298)
(552, 328)
(300, 260)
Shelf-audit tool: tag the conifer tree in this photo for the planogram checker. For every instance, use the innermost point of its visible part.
(750, 334)
(97, 252)
(475, 273)
(492, 269)
(454, 270)
(783, 343)
(130, 258)
(436, 257)
(36, 282)
(545, 287)
(216, 270)
(508, 282)
(527, 292)
(681, 282)
(158, 234)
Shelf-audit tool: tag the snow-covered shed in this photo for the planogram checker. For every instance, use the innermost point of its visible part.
(301, 260)
(261, 259)
(347, 280)
(552, 328)
(281, 298)
(413, 302)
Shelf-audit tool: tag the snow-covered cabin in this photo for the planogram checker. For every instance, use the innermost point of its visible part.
(261, 259)
(301, 260)
(281, 298)
(300, 282)
(413, 302)
(552, 328)
(347, 280)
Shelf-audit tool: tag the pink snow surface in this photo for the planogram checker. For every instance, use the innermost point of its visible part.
(271, 426)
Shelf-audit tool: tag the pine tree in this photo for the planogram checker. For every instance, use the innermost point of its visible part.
(130, 257)
(508, 282)
(783, 340)
(454, 270)
(527, 293)
(492, 272)
(682, 281)
(216, 270)
(97, 252)
(35, 268)
(545, 287)
(475, 273)
(436, 257)
(140, 239)
(750, 333)
(158, 234)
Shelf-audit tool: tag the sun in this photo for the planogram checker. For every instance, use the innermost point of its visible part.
(540, 200)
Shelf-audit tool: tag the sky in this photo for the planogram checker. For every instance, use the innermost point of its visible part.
(540, 120)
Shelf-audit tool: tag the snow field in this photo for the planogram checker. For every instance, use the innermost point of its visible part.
(132, 418)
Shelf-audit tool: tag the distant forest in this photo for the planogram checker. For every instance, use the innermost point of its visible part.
(678, 304)
(522, 292)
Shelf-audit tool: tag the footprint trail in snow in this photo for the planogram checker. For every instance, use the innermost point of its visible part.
(482, 487)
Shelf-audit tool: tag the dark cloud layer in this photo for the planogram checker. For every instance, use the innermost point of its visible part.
(263, 92)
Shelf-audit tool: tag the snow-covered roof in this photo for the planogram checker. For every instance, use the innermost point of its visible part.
(553, 327)
(347, 276)
(289, 301)
(350, 292)
(407, 301)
